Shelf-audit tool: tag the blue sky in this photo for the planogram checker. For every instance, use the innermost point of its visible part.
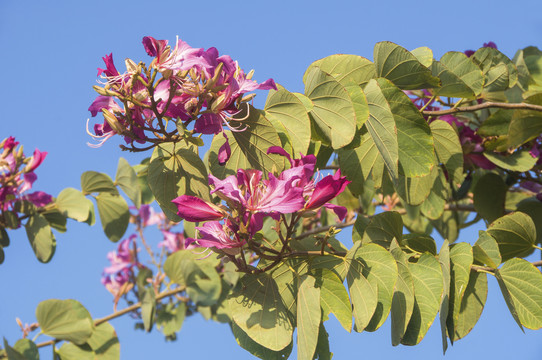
(50, 54)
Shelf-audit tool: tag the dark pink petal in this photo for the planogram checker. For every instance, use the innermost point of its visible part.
(326, 189)
(36, 160)
(340, 211)
(480, 161)
(103, 102)
(490, 44)
(280, 151)
(208, 124)
(29, 179)
(276, 196)
(194, 209)
(212, 234)
(224, 152)
(110, 69)
(154, 47)
(39, 198)
(227, 189)
(10, 143)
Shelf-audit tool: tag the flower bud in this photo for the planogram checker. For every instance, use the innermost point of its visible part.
(112, 121)
(218, 104)
(104, 92)
(215, 78)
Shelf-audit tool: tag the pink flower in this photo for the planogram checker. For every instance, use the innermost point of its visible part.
(173, 241)
(194, 209)
(35, 161)
(214, 234)
(124, 257)
(326, 189)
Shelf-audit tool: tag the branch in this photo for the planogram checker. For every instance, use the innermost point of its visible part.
(486, 105)
(340, 225)
(117, 314)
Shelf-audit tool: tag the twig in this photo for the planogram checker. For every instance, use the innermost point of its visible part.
(486, 105)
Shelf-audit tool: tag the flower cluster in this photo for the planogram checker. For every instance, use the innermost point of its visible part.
(119, 276)
(182, 84)
(248, 198)
(17, 176)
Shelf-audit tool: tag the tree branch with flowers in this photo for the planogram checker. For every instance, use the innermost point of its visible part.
(394, 151)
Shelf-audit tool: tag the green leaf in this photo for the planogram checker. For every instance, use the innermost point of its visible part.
(345, 68)
(472, 305)
(363, 294)
(401, 67)
(308, 317)
(57, 220)
(488, 58)
(248, 147)
(127, 179)
(11, 353)
(4, 237)
(521, 285)
(448, 148)
(257, 308)
(489, 196)
(428, 287)
(356, 164)
(256, 349)
(176, 169)
(72, 203)
(420, 243)
(403, 297)
(416, 155)
(383, 228)
(520, 161)
(27, 348)
(461, 259)
(444, 261)
(92, 182)
(148, 307)
(382, 128)
(496, 124)
(287, 113)
(170, 318)
(114, 215)
(379, 267)
(424, 55)
(41, 237)
(334, 298)
(486, 250)
(333, 111)
(447, 226)
(415, 190)
(460, 77)
(197, 274)
(322, 348)
(525, 126)
(65, 320)
(515, 233)
(69, 351)
(533, 208)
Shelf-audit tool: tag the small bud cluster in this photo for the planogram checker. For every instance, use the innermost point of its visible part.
(181, 85)
(16, 178)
